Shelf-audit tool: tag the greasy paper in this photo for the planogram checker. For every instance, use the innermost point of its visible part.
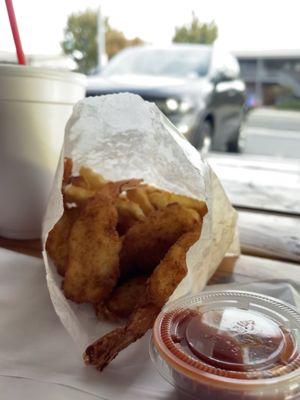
(122, 136)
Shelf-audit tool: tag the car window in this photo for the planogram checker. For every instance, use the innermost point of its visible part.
(224, 66)
(173, 62)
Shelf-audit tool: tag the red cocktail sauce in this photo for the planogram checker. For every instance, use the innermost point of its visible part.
(216, 350)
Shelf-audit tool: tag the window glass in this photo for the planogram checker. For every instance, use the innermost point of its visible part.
(164, 62)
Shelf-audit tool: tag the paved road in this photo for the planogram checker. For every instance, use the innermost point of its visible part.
(272, 132)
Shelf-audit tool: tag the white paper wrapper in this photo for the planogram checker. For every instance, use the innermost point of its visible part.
(121, 136)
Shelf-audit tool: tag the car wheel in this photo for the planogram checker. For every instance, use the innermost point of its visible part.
(205, 137)
(234, 146)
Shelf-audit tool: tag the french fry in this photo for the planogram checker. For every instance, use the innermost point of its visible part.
(77, 194)
(161, 198)
(94, 180)
(129, 213)
(139, 196)
(79, 181)
(129, 184)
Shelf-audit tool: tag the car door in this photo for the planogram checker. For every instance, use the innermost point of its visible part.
(228, 100)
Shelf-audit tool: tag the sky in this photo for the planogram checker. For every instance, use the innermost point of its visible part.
(243, 25)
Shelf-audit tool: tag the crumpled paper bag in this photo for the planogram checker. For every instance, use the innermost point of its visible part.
(122, 136)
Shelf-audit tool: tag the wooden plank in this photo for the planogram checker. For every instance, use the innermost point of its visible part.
(232, 269)
(272, 236)
(29, 247)
(259, 182)
(249, 269)
(263, 184)
(264, 235)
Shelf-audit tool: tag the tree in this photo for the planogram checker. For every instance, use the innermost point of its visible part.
(115, 40)
(80, 40)
(196, 32)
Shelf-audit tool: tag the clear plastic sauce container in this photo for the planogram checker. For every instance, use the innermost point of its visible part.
(229, 345)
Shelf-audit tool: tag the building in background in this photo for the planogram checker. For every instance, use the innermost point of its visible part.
(272, 77)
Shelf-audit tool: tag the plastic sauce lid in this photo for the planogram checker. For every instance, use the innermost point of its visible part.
(234, 340)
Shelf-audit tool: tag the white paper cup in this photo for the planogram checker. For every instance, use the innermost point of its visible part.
(35, 104)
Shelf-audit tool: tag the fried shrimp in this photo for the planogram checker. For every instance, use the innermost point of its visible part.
(146, 243)
(94, 246)
(159, 289)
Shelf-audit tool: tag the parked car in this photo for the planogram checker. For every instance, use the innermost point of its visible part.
(198, 87)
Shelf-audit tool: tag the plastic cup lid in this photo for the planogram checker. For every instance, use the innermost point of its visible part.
(8, 70)
(230, 336)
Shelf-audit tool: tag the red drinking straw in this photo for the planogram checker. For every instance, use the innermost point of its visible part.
(15, 32)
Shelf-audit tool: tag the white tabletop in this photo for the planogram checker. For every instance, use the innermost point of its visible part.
(39, 359)
(20, 388)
